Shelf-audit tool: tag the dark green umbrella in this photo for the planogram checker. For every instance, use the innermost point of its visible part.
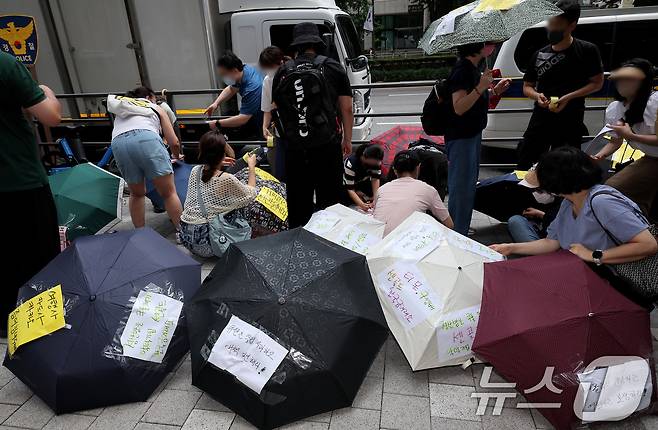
(88, 199)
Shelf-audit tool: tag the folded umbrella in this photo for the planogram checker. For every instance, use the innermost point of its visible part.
(123, 294)
(346, 227)
(88, 199)
(501, 197)
(268, 213)
(182, 173)
(285, 327)
(485, 21)
(398, 139)
(429, 282)
(553, 311)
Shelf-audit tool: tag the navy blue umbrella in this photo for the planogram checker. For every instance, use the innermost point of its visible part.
(181, 177)
(79, 367)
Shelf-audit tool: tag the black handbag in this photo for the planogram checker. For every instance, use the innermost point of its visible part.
(640, 276)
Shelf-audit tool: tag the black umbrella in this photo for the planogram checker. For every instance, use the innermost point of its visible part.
(83, 367)
(501, 197)
(313, 299)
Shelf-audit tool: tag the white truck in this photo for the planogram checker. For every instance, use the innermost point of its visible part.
(114, 45)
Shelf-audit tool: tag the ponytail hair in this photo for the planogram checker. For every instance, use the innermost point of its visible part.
(212, 149)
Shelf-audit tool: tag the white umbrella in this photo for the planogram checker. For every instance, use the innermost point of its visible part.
(347, 227)
(429, 282)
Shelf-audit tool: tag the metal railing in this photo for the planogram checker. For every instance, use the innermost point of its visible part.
(192, 119)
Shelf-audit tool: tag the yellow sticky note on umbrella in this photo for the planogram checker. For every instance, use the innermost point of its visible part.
(274, 202)
(36, 317)
(520, 174)
(486, 5)
(265, 175)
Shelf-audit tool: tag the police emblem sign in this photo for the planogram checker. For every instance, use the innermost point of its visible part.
(18, 37)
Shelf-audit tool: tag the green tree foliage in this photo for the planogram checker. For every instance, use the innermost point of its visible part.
(358, 10)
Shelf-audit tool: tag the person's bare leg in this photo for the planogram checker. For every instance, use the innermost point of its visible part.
(167, 190)
(136, 204)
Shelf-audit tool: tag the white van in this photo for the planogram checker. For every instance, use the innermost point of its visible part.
(620, 34)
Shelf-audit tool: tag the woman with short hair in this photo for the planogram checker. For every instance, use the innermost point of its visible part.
(596, 222)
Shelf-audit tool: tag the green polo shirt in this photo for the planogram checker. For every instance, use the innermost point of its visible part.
(20, 165)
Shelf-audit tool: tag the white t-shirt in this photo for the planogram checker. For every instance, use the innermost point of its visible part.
(616, 111)
(266, 95)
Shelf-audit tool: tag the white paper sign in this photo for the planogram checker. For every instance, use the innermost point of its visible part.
(408, 294)
(356, 239)
(447, 24)
(322, 222)
(463, 242)
(456, 331)
(247, 353)
(150, 326)
(416, 242)
(614, 392)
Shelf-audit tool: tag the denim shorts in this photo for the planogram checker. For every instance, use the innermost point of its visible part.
(141, 154)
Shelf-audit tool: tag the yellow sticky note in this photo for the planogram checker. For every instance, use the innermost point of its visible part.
(265, 175)
(520, 174)
(485, 5)
(270, 141)
(37, 317)
(625, 153)
(274, 202)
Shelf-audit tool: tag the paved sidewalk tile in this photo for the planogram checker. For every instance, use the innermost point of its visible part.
(182, 379)
(6, 411)
(405, 412)
(370, 394)
(208, 420)
(398, 377)
(354, 419)
(120, 417)
(509, 419)
(171, 407)
(439, 423)
(34, 414)
(377, 368)
(69, 422)
(15, 393)
(453, 401)
(151, 426)
(206, 402)
(454, 375)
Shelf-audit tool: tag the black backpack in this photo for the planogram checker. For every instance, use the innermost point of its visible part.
(436, 110)
(305, 103)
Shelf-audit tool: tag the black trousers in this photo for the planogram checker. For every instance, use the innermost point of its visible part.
(313, 172)
(548, 130)
(31, 237)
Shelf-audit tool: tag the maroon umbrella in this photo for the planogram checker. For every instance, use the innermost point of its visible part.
(397, 139)
(552, 310)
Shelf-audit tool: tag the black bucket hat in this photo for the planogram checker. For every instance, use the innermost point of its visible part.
(306, 33)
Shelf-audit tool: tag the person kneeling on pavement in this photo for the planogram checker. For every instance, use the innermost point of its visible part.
(214, 192)
(595, 222)
(362, 175)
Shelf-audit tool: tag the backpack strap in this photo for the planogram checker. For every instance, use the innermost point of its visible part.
(612, 237)
(199, 194)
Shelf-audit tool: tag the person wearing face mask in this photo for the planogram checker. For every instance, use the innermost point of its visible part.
(533, 223)
(632, 116)
(470, 101)
(247, 81)
(558, 78)
(269, 61)
(595, 222)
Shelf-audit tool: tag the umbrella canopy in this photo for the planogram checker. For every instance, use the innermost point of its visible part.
(346, 227)
(268, 213)
(501, 197)
(429, 282)
(398, 139)
(485, 21)
(91, 364)
(182, 173)
(88, 199)
(552, 310)
(286, 327)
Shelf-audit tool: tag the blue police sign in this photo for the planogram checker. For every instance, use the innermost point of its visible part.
(18, 36)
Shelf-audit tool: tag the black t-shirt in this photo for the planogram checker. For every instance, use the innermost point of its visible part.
(465, 76)
(556, 73)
